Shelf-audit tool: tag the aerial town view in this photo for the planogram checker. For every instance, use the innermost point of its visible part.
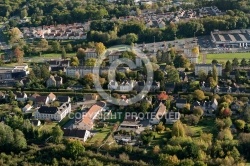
(125, 83)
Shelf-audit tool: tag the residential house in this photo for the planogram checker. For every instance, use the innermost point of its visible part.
(205, 87)
(127, 85)
(53, 113)
(87, 121)
(54, 81)
(88, 97)
(20, 96)
(63, 99)
(160, 113)
(113, 85)
(172, 117)
(180, 103)
(33, 97)
(41, 101)
(35, 122)
(51, 97)
(76, 134)
(27, 108)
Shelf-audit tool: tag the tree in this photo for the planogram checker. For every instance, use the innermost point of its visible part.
(20, 141)
(55, 46)
(57, 134)
(43, 44)
(64, 54)
(45, 72)
(235, 63)
(181, 61)
(68, 47)
(80, 53)
(228, 67)
(225, 135)
(7, 138)
(202, 75)
(178, 129)
(199, 95)
(240, 124)
(89, 79)
(131, 38)
(214, 62)
(158, 75)
(74, 148)
(100, 48)
(24, 13)
(160, 127)
(19, 55)
(198, 111)
(243, 62)
(172, 74)
(215, 74)
(14, 35)
(90, 62)
(120, 76)
(145, 105)
(74, 61)
(212, 82)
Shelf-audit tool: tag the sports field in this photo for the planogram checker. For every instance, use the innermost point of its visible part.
(223, 57)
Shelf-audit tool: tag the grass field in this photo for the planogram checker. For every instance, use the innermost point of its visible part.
(223, 57)
(100, 135)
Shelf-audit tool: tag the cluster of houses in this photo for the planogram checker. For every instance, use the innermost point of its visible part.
(74, 31)
(129, 85)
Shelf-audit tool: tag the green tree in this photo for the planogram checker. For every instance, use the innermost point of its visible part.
(243, 62)
(80, 53)
(181, 61)
(158, 75)
(160, 127)
(225, 135)
(19, 139)
(55, 46)
(43, 44)
(198, 111)
(74, 149)
(178, 129)
(202, 75)
(90, 62)
(228, 67)
(57, 134)
(235, 63)
(199, 95)
(74, 61)
(24, 13)
(63, 54)
(68, 47)
(131, 38)
(145, 105)
(14, 35)
(45, 72)
(240, 124)
(172, 74)
(215, 74)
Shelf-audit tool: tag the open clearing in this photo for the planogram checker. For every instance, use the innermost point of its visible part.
(223, 57)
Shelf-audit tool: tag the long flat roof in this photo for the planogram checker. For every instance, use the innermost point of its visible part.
(231, 36)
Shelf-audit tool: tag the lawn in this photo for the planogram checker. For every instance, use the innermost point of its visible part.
(160, 138)
(205, 125)
(100, 135)
(223, 57)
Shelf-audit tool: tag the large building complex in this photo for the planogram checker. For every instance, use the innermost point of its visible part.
(234, 38)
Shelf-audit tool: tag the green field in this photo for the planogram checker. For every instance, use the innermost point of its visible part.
(223, 57)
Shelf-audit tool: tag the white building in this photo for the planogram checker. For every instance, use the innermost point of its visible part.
(127, 85)
(207, 68)
(76, 134)
(113, 85)
(53, 113)
(90, 53)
